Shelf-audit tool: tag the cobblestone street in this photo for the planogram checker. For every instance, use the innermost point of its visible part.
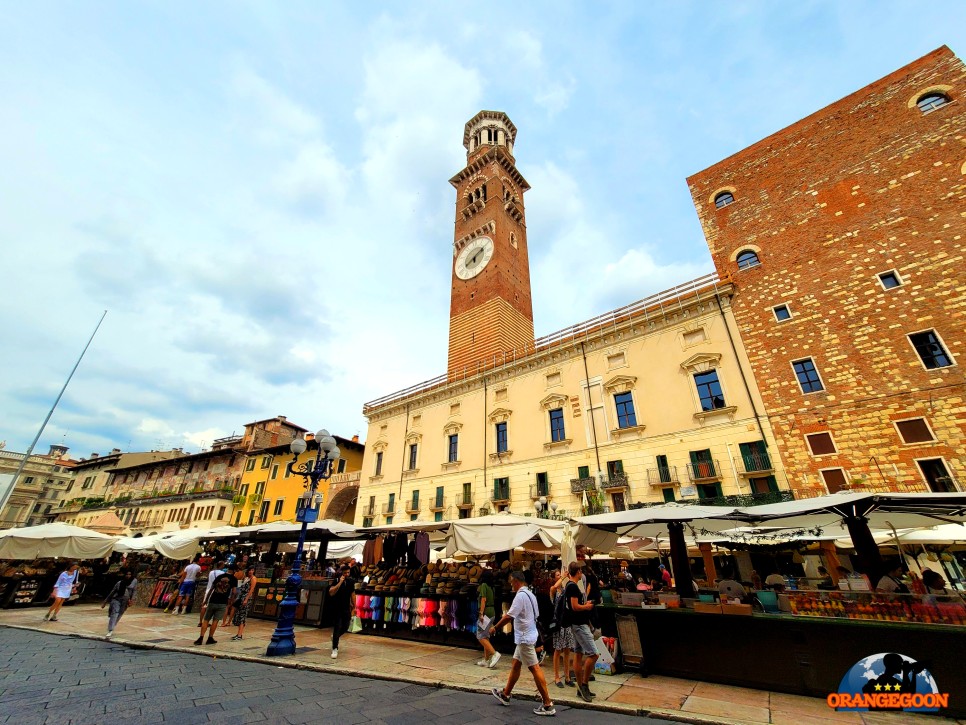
(49, 678)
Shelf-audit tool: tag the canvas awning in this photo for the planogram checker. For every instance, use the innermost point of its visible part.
(501, 532)
(58, 539)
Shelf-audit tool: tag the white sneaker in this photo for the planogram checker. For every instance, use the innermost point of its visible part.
(483, 662)
(494, 659)
(109, 635)
(335, 653)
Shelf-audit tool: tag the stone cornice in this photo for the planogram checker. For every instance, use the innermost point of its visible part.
(561, 350)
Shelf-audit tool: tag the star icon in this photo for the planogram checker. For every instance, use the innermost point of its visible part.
(878, 687)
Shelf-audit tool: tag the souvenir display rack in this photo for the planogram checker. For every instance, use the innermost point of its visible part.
(946, 609)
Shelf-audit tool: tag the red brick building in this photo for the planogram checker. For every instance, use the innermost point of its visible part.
(844, 235)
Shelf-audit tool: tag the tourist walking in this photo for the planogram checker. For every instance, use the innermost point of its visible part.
(216, 571)
(63, 588)
(341, 594)
(216, 601)
(119, 599)
(578, 618)
(487, 617)
(523, 614)
(186, 587)
(563, 637)
(243, 601)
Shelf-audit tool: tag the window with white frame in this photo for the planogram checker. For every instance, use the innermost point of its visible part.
(930, 349)
(914, 430)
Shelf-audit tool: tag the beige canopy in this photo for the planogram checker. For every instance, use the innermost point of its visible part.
(54, 540)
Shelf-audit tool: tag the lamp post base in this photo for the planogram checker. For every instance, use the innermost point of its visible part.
(283, 638)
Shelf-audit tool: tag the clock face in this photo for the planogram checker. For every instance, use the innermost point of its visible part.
(474, 257)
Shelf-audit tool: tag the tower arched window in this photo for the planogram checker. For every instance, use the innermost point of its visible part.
(932, 101)
(724, 199)
(747, 259)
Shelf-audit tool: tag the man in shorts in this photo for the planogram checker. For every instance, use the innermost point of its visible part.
(578, 610)
(216, 602)
(523, 614)
(216, 571)
(186, 587)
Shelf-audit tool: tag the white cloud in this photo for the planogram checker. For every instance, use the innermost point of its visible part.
(203, 438)
(275, 107)
(315, 179)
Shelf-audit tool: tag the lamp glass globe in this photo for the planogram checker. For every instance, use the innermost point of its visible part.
(298, 446)
(334, 453)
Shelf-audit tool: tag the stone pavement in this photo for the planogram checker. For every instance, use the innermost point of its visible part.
(72, 681)
(453, 667)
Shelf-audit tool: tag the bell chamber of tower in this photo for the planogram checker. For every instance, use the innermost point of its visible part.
(491, 311)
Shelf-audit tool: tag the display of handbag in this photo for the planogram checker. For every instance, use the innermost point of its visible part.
(355, 625)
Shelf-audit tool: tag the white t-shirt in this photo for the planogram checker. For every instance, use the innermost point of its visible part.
(212, 575)
(524, 610)
(191, 572)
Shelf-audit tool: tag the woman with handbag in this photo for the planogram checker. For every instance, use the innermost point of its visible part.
(243, 601)
(63, 588)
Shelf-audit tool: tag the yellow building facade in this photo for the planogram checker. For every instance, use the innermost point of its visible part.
(269, 491)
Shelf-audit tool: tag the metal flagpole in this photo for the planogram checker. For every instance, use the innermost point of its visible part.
(6, 494)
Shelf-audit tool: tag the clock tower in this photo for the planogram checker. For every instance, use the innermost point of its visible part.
(490, 306)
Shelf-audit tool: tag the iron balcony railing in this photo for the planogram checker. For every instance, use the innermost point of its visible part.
(369, 509)
(734, 501)
(662, 475)
(704, 471)
(615, 481)
(501, 493)
(412, 507)
(464, 500)
(388, 509)
(756, 462)
(539, 489)
(579, 485)
(438, 504)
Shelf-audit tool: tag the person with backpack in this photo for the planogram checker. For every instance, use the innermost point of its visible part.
(579, 610)
(563, 636)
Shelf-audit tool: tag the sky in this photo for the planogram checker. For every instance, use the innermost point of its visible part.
(257, 192)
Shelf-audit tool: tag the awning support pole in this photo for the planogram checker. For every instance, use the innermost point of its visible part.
(680, 565)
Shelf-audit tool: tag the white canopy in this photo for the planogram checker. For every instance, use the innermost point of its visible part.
(501, 532)
(945, 534)
(652, 521)
(882, 510)
(58, 539)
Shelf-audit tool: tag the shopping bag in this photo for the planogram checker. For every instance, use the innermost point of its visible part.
(355, 625)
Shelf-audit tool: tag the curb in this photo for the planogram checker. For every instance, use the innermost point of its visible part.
(613, 708)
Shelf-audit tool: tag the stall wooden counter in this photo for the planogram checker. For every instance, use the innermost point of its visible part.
(803, 655)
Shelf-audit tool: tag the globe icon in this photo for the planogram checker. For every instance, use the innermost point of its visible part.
(874, 667)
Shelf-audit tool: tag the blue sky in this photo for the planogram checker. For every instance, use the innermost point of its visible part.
(257, 192)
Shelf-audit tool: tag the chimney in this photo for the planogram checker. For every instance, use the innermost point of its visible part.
(282, 418)
(115, 451)
(309, 437)
(57, 451)
(355, 438)
(94, 455)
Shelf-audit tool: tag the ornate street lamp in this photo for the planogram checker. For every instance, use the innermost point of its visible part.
(541, 507)
(283, 638)
(553, 509)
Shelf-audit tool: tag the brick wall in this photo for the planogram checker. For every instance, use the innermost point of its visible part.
(866, 185)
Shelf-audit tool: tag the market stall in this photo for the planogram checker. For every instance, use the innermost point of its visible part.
(784, 645)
